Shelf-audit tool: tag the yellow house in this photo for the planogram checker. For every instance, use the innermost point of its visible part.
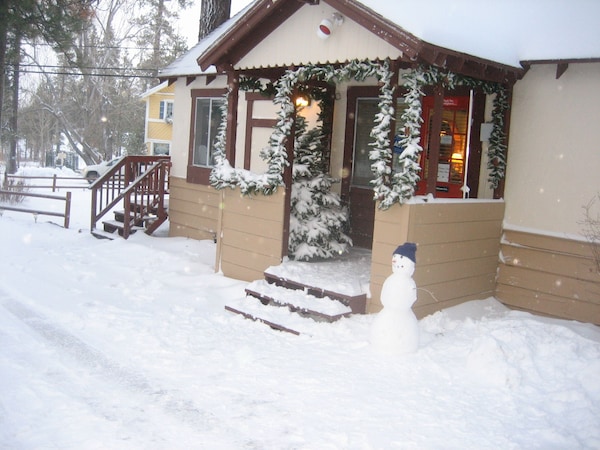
(159, 119)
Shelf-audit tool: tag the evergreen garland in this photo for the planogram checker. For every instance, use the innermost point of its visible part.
(497, 143)
(389, 188)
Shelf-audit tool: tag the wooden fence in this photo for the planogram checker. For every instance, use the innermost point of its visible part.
(67, 210)
(55, 182)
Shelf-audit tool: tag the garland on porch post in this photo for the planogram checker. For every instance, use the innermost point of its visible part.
(389, 188)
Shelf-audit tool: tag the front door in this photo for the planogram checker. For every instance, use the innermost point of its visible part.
(357, 191)
(453, 154)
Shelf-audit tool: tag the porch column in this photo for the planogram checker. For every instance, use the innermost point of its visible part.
(434, 141)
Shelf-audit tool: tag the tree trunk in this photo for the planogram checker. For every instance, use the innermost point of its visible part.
(14, 119)
(3, 37)
(212, 14)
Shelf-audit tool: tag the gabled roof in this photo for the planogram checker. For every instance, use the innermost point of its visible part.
(187, 65)
(263, 16)
(154, 90)
(486, 39)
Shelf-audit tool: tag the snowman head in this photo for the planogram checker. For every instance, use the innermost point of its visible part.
(404, 259)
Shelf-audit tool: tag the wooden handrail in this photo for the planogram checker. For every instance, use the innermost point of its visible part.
(140, 182)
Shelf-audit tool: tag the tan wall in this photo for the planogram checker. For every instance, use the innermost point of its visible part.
(553, 153)
(252, 234)
(549, 275)
(193, 210)
(457, 250)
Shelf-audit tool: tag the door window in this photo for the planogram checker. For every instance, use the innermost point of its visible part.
(366, 109)
(450, 171)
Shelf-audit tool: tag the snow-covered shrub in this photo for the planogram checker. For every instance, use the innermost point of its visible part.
(591, 228)
(317, 218)
(16, 188)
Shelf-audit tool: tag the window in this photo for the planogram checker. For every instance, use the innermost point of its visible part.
(160, 148)
(206, 126)
(206, 113)
(166, 110)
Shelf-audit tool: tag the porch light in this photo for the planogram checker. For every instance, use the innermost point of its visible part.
(457, 155)
(325, 28)
(302, 101)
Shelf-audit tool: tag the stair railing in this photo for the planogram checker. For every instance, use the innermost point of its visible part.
(141, 182)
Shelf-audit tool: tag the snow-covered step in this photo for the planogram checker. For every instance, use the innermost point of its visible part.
(357, 303)
(317, 308)
(278, 318)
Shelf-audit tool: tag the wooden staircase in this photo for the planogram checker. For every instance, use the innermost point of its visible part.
(140, 183)
(292, 306)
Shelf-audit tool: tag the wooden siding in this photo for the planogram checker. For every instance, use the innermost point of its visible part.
(160, 131)
(193, 210)
(549, 275)
(252, 233)
(457, 250)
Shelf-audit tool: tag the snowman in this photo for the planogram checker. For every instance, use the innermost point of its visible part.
(395, 328)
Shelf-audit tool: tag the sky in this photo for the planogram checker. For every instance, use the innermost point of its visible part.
(126, 344)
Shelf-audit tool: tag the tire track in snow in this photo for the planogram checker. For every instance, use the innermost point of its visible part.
(183, 409)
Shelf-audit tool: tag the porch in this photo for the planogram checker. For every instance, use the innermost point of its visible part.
(457, 257)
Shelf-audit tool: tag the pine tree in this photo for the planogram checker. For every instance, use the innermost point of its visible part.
(318, 219)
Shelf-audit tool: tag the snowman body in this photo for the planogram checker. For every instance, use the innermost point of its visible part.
(395, 329)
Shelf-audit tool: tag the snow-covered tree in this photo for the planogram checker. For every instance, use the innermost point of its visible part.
(318, 220)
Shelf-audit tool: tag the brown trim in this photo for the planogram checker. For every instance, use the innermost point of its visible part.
(252, 123)
(266, 15)
(407, 43)
(353, 93)
(434, 143)
(477, 117)
(195, 174)
(288, 181)
(190, 79)
(233, 82)
(244, 35)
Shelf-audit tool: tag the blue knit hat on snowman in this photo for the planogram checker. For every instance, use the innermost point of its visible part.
(408, 250)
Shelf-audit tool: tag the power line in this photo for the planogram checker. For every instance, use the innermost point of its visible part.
(87, 74)
(53, 67)
(110, 47)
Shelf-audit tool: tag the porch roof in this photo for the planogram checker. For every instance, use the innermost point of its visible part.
(262, 16)
(485, 40)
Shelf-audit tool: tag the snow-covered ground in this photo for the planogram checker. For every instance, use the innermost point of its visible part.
(126, 345)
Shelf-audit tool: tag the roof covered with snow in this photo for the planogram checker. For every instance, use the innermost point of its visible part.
(504, 31)
(507, 32)
(187, 63)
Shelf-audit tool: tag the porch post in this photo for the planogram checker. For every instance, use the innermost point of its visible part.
(232, 109)
(287, 180)
(434, 142)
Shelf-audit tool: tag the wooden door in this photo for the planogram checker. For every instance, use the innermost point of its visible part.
(357, 190)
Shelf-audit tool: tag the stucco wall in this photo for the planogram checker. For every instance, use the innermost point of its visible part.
(554, 148)
(296, 42)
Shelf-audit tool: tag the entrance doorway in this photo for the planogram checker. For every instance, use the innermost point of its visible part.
(458, 165)
(357, 191)
(453, 152)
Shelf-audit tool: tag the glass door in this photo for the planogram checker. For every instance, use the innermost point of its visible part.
(450, 170)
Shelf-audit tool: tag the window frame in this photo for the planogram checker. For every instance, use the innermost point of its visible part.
(198, 174)
(163, 109)
(155, 143)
